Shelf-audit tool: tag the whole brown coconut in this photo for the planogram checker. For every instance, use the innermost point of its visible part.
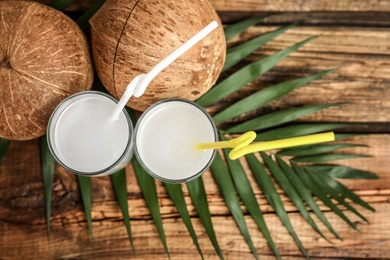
(44, 58)
(129, 37)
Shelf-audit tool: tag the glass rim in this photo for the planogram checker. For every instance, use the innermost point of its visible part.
(93, 173)
(150, 172)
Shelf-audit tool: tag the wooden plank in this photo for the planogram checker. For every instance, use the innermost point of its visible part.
(22, 216)
(274, 6)
(363, 52)
(362, 55)
(76, 6)
(71, 240)
(326, 12)
(299, 6)
(19, 193)
(317, 18)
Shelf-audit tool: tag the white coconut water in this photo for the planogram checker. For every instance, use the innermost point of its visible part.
(85, 139)
(166, 138)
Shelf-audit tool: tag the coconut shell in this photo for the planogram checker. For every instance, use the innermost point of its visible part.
(129, 37)
(44, 58)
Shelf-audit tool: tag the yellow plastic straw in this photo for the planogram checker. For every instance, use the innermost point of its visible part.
(242, 144)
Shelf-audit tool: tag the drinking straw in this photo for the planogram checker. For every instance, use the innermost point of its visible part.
(242, 144)
(139, 84)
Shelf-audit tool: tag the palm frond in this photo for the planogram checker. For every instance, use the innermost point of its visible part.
(199, 200)
(247, 74)
(340, 136)
(297, 130)
(277, 118)
(317, 190)
(239, 27)
(247, 195)
(149, 192)
(316, 149)
(267, 186)
(290, 191)
(118, 181)
(3, 148)
(328, 157)
(228, 191)
(341, 189)
(264, 96)
(305, 194)
(333, 193)
(60, 4)
(240, 52)
(82, 21)
(86, 195)
(342, 172)
(176, 194)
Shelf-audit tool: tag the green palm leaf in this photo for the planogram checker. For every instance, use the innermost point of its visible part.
(118, 181)
(82, 21)
(290, 191)
(3, 148)
(328, 157)
(278, 118)
(176, 194)
(339, 136)
(334, 194)
(247, 74)
(47, 165)
(149, 192)
(60, 4)
(297, 130)
(199, 199)
(272, 196)
(316, 149)
(237, 28)
(86, 195)
(247, 196)
(342, 172)
(240, 52)
(312, 185)
(225, 185)
(342, 189)
(305, 194)
(265, 96)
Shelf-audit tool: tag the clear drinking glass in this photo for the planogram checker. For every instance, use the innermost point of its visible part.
(85, 140)
(166, 136)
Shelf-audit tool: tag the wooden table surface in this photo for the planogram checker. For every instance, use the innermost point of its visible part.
(354, 35)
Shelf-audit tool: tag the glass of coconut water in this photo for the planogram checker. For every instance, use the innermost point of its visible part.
(166, 138)
(85, 140)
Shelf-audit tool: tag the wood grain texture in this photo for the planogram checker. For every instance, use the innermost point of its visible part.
(22, 216)
(300, 5)
(354, 35)
(272, 6)
(317, 18)
(71, 240)
(362, 56)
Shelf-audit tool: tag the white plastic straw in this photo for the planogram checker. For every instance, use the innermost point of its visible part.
(139, 84)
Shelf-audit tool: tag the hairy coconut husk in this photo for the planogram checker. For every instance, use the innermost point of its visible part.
(129, 37)
(44, 58)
